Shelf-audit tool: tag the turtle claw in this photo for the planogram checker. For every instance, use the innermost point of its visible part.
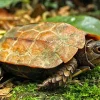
(1, 74)
(45, 85)
(39, 87)
(76, 81)
(1, 78)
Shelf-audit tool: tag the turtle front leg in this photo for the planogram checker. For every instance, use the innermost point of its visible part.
(61, 76)
(81, 70)
(1, 73)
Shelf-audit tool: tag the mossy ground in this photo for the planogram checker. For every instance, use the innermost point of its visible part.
(89, 89)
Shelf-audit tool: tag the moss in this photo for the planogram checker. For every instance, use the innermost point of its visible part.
(88, 90)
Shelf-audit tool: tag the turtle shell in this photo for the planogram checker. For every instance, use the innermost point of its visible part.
(44, 45)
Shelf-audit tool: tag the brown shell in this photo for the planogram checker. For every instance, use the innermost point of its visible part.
(43, 45)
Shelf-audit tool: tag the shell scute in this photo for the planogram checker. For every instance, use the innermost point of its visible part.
(20, 60)
(44, 26)
(23, 48)
(3, 55)
(29, 35)
(68, 33)
(7, 43)
(43, 55)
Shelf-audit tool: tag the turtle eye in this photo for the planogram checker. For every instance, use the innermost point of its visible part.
(97, 49)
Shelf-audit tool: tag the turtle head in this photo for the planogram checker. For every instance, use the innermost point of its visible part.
(93, 52)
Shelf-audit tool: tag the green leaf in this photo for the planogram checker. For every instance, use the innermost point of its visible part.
(48, 3)
(7, 3)
(86, 23)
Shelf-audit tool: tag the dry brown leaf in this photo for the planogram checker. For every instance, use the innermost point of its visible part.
(4, 15)
(2, 32)
(5, 91)
(38, 10)
(64, 11)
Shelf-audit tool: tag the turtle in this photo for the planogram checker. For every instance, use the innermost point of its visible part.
(52, 52)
